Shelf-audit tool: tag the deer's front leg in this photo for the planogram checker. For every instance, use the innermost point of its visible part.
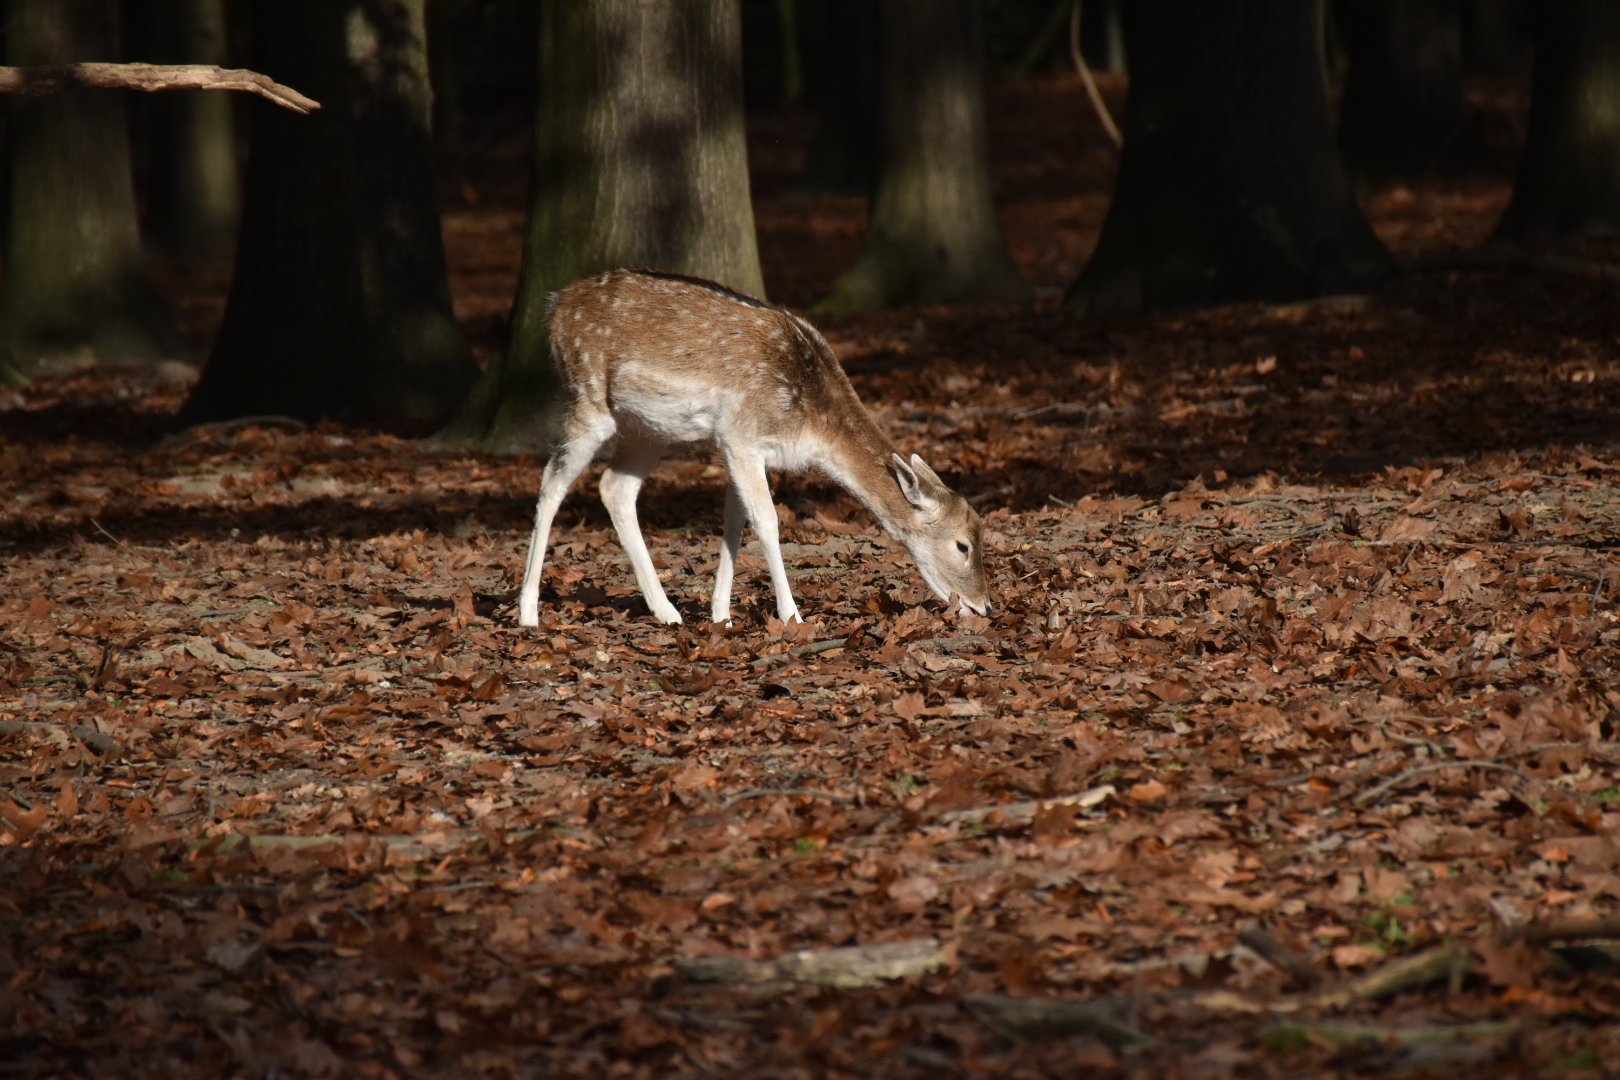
(720, 606)
(753, 487)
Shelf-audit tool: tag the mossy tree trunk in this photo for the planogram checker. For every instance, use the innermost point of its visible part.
(195, 187)
(340, 306)
(933, 236)
(1403, 112)
(1230, 185)
(1569, 177)
(639, 160)
(74, 285)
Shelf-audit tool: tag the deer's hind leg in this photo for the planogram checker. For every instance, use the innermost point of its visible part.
(585, 428)
(730, 541)
(621, 483)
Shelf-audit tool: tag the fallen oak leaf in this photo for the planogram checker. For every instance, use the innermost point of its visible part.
(1172, 691)
(262, 659)
(24, 821)
(1148, 791)
(1346, 957)
(490, 689)
(691, 680)
(1510, 963)
(909, 706)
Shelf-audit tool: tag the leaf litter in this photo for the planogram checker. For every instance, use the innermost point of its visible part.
(1290, 746)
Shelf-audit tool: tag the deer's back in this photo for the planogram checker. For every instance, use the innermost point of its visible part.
(690, 359)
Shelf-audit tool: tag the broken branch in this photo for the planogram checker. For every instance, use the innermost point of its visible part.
(39, 81)
(1543, 932)
(1449, 961)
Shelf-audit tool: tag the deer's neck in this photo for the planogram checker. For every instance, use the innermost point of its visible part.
(855, 452)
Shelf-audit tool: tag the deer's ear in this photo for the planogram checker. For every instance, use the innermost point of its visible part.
(918, 483)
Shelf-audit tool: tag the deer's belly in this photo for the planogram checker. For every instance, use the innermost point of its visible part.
(692, 416)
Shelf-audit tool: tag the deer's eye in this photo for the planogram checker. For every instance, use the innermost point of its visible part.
(962, 546)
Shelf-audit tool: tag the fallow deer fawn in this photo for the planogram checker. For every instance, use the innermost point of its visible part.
(659, 358)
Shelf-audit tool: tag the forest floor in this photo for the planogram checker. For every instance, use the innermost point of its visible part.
(1290, 747)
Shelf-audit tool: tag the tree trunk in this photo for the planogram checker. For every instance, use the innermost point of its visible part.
(1569, 178)
(340, 306)
(195, 190)
(841, 84)
(1404, 113)
(933, 236)
(73, 283)
(639, 160)
(1230, 187)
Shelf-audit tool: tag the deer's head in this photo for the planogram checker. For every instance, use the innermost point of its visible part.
(944, 535)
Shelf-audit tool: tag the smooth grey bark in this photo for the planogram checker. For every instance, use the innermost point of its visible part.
(1404, 113)
(195, 190)
(74, 286)
(1230, 186)
(640, 161)
(933, 236)
(340, 306)
(1569, 177)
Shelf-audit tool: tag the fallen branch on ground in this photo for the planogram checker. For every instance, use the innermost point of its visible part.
(1543, 932)
(1342, 1036)
(802, 650)
(39, 81)
(1449, 961)
(848, 968)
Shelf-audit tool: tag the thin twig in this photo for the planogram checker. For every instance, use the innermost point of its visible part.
(150, 561)
(1092, 92)
(760, 793)
(39, 81)
(803, 650)
(1438, 750)
(1402, 777)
